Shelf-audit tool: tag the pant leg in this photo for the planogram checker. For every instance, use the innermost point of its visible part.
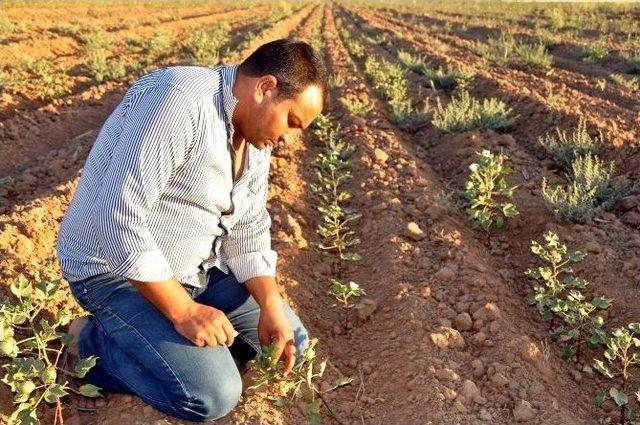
(225, 293)
(139, 350)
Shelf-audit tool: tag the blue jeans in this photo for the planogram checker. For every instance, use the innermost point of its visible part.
(140, 352)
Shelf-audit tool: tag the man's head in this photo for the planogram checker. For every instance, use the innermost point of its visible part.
(281, 88)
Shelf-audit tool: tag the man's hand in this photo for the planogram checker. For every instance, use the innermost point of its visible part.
(273, 326)
(204, 325)
(199, 323)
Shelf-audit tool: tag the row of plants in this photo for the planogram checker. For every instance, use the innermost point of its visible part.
(337, 239)
(105, 59)
(575, 322)
(461, 113)
(559, 295)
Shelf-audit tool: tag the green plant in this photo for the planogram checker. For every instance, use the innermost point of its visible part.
(590, 190)
(628, 81)
(29, 338)
(50, 80)
(581, 324)
(413, 62)
(488, 193)
(621, 354)
(343, 292)
(555, 276)
(557, 19)
(557, 294)
(449, 78)
(102, 68)
(204, 45)
(302, 379)
(498, 51)
(534, 57)
(336, 81)
(356, 106)
(595, 52)
(565, 148)
(464, 112)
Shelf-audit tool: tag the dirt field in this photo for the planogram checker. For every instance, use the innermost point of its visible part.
(498, 363)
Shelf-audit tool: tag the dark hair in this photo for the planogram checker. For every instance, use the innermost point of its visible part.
(294, 63)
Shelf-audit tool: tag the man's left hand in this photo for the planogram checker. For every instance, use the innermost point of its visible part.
(273, 327)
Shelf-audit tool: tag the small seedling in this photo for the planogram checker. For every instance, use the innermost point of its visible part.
(555, 276)
(342, 293)
(622, 353)
(294, 386)
(487, 191)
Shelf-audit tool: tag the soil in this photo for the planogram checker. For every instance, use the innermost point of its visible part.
(445, 334)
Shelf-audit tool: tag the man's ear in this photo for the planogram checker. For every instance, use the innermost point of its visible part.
(266, 88)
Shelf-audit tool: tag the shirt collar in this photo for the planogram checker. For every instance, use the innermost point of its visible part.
(229, 101)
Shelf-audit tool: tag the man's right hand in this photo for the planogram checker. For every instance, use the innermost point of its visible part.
(199, 323)
(204, 325)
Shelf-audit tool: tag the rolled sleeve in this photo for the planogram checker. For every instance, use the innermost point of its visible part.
(248, 246)
(156, 137)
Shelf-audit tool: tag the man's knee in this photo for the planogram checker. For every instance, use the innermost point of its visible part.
(213, 398)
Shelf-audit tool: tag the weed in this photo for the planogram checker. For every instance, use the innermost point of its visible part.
(590, 190)
(565, 148)
(204, 45)
(628, 81)
(356, 106)
(534, 57)
(101, 67)
(50, 80)
(496, 50)
(413, 62)
(449, 78)
(464, 112)
(595, 52)
(488, 193)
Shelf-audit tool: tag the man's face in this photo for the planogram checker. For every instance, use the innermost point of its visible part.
(272, 118)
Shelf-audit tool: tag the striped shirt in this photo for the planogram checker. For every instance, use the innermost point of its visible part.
(157, 199)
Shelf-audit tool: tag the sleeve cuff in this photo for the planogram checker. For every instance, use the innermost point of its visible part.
(146, 266)
(253, 264)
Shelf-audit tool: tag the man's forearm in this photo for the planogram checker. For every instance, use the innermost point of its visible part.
(265, 291)
(169, 296)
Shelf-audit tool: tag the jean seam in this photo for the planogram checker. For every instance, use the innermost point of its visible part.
(189, 398)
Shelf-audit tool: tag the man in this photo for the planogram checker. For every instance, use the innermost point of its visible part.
(166, 242)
